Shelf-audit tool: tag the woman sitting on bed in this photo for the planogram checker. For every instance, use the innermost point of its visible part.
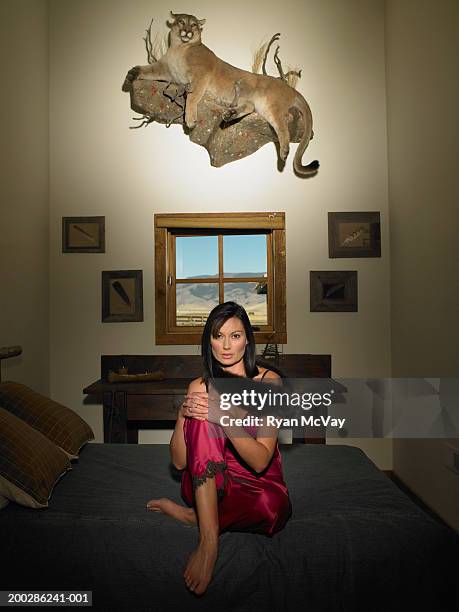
(232, 476)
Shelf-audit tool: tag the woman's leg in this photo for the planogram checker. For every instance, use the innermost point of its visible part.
(171, 508)
(205, 459)
(203, 482)
(199, 570)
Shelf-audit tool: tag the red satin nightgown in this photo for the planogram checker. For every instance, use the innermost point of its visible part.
(246, 501)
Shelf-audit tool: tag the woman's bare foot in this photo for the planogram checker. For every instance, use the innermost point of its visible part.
(200, 566)
(167, 506)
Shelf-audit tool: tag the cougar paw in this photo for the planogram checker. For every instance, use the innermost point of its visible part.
(133, 74)
(229, 114)
(130, 77)
(190, 121)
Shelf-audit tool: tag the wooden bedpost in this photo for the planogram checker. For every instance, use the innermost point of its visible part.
(6, 352)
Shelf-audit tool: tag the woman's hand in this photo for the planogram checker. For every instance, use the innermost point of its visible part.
(196, 406)
(216, 412)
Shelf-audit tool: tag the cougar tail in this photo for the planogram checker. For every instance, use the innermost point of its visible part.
(312, 168)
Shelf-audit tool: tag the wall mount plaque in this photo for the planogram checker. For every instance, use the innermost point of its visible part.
(354, 234)
(333, 291)
(122, 296)
(83, 234)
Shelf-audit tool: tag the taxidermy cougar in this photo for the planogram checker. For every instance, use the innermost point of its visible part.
(191, 64)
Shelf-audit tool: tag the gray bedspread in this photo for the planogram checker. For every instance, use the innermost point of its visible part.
(354, 542)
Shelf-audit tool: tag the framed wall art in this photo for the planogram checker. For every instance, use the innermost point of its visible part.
(83, 234)
(122, 296)
(333, 291)
(354, 234)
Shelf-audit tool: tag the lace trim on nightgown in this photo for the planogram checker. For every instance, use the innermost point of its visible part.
(212, 469)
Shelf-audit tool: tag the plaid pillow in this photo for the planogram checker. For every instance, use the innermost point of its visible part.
(60, 424)
(30, 464)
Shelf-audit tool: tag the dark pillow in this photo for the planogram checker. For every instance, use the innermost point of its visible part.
(30, 464)
(60, 424)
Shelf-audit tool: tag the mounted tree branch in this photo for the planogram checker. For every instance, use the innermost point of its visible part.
(273, 39)
(149, 46)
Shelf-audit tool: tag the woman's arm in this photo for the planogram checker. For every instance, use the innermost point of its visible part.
(177, 446)
(257, 453)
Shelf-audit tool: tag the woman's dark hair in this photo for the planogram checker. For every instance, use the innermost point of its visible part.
(217, 317)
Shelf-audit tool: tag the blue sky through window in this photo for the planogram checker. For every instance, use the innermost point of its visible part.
(244, 253)
(198, 255)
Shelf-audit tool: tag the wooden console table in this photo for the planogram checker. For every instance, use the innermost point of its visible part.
(129, 407)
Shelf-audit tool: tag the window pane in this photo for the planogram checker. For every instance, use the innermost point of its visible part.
(194, 301)
(253, 297)
(196, 256)
(244, 255)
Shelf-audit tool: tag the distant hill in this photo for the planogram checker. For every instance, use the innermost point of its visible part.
(231, 275)
(196, 297)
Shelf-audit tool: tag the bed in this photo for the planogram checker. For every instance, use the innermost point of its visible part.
(355, 540)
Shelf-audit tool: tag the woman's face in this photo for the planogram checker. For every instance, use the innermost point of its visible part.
(228, 347)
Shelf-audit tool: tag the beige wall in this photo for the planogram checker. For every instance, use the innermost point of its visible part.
(24, 219)
(423, 98)
(101, 167)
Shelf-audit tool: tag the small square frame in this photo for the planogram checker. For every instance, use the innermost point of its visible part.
(83, 234)
(333, 291)
(119, 296)
(354, 234)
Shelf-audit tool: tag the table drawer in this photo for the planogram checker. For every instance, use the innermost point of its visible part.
(153, 407)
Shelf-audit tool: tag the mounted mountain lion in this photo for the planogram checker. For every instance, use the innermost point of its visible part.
(191, 64)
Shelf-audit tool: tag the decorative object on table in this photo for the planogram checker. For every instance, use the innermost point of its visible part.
(230, 112)
(261, 288)
(122, 296)
(333, 291)
(271, 351)
(354, 234)
(83, 234)
(123, 376)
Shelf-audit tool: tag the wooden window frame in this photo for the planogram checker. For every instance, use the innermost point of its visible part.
(168, 225)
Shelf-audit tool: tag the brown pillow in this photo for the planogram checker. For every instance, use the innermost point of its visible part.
(60, 424)
(30, 464)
